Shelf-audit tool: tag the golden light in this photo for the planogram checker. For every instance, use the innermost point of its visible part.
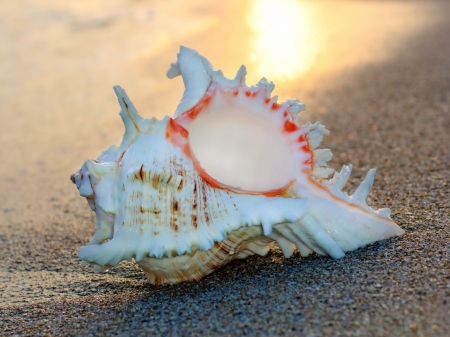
(286, 37)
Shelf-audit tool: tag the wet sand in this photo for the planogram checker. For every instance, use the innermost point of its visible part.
(389, 110)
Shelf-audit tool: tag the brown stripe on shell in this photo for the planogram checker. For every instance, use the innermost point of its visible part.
(156, 178)
(181, 185)
(142, 173)
(193, 203)
(174, 226)
(194, 220)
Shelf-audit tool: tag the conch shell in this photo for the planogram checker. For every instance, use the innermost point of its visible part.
(229, 174)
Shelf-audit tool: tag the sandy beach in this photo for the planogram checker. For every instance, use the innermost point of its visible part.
(376, 74)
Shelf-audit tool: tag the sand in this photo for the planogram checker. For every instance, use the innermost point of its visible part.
(58, 108)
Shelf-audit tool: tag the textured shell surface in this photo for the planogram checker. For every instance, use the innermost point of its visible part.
(228, 175)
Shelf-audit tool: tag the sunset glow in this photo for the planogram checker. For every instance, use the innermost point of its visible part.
(286, 40)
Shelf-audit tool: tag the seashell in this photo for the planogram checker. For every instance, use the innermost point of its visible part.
(228, 175)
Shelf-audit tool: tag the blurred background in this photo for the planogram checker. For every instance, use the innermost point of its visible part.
(375, 73)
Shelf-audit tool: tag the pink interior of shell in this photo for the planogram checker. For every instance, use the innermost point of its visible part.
(241, 140)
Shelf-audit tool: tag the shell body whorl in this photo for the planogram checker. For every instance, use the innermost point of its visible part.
(231, 173)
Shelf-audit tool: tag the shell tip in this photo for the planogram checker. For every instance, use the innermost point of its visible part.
(240, 76)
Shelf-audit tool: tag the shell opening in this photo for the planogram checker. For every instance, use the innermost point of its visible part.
(239, 139)
(240, 150)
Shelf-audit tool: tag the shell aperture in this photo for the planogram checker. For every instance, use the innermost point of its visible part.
(229, 174)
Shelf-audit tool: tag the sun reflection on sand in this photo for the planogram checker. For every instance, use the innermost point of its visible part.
(286, 37)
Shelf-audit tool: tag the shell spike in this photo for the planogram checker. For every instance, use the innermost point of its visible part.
(296, 108)
(286, 246)
(129, 115)
(316, 133)
(240, 75)
(262, 83)
(317, 238)
(321, 156)
(269, 87)
(173, 71)
(99, 170)
(363, 189)
(267, 227)
(339, 179)
(190, 65)
(386, 212)
(128, 106)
